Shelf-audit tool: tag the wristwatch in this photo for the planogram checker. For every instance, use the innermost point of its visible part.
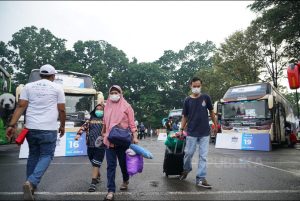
(11, 126)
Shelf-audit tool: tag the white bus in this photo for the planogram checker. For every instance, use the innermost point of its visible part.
(256, 109)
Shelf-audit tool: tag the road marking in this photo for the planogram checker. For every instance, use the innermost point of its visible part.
(159, 193)
(275, 168)
(160, 163)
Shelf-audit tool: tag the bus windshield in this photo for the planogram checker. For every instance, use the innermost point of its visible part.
(246, 110)
(67, 79)
(78, 103)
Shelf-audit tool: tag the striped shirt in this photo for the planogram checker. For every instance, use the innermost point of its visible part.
(92, 128)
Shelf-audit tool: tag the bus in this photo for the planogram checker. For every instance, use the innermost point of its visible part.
(81, 97)
(176, 114)
(257, 108)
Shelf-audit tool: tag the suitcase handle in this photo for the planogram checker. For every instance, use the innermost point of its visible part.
(182, 149)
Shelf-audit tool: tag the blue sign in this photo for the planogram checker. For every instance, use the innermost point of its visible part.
(75, 147)
(256, 141)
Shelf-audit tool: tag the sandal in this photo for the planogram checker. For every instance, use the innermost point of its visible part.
(98, 179)
(124, 185)
(92, 188)
(109, 196)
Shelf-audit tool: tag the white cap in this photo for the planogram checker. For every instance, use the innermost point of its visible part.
(47, 70)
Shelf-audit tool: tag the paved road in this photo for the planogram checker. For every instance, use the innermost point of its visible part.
(234, 174)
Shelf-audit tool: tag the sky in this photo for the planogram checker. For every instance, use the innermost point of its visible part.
(142, 29)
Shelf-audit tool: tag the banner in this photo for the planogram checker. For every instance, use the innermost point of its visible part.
(161, 134)
(65, 146)
(244, 141)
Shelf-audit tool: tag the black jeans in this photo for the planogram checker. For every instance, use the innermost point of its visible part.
(112, 154)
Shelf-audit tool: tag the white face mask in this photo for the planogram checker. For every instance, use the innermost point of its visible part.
(114, 97)
(196, 90)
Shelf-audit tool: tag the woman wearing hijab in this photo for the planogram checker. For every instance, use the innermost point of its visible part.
(117, 112)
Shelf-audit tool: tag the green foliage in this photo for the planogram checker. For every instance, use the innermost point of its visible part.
(291, 97)
(237, 61)
(143, 88)
(212, 83)
(101, 60)
(180, 67)
(281, 19)
(35, 48)
(8, 60)
(157, 87)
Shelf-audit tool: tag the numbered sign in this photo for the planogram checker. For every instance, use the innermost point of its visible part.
(256, 142)
(75, 147)
(244, 141)
(65, 146)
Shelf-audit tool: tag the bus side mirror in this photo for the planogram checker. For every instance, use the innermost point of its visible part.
(270, 102)
(216, 107)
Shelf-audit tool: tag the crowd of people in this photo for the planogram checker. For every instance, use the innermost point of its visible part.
(44, 102)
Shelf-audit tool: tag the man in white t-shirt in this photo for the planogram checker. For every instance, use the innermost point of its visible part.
(44, 102)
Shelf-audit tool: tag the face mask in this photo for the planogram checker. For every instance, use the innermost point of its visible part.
(196, 90)
(114, 97)
(99, 113)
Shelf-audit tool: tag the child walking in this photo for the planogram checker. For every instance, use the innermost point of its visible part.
(94, 141)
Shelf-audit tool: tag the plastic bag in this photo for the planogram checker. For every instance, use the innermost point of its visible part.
(130, 152)
(172, 140)
(134, 164)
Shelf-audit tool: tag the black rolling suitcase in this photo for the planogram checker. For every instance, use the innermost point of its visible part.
(173, 161)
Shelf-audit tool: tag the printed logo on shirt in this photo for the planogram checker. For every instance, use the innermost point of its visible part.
(203, 103)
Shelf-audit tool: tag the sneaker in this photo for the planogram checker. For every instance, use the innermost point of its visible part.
(183, 175)
(204, 184)
(28, 191)
(124, 186)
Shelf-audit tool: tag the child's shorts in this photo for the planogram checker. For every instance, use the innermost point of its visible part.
(96, 155)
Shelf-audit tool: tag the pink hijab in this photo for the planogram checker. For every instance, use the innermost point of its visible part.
(114, 112)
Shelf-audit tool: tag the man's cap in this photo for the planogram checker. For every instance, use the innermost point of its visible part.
(47, 70)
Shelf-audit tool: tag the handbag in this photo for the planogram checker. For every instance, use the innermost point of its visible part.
(120, 136)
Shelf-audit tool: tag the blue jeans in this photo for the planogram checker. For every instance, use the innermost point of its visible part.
(42, 145)
(190, 148)
(111, 157)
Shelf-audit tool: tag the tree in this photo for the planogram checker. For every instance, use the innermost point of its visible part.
(144, 90)
(212, 83)
(282, 22)
(272, 51)
(7, 58)
(35, 48)
(291, 97)
(183, 65)
(101, 60)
